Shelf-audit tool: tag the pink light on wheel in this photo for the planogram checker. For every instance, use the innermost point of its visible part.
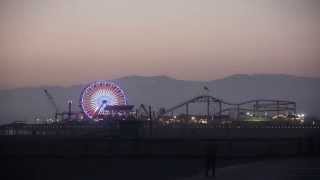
(97, 95)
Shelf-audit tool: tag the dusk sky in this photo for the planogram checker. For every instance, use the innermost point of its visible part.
(59, 42)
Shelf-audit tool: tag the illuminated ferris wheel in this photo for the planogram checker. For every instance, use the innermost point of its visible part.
(99, 95)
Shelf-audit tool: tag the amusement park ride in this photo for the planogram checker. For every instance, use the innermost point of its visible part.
(103, 99)
(100, 100)
(106, 101)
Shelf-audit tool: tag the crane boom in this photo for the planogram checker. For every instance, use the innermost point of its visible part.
(53, 103)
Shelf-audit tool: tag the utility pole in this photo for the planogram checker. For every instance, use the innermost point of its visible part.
(151, 122)
(69, 109)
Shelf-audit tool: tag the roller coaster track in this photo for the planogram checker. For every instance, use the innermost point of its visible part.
(266, 104)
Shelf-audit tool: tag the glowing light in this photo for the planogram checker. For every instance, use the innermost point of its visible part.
(97, 95)
(249, 114)
(202, 121)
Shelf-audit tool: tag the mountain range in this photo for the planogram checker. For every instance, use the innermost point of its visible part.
(27, 104)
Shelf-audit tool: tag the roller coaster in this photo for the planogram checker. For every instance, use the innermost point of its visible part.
(217, 108)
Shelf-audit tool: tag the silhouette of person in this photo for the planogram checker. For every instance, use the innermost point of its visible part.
(211, 160)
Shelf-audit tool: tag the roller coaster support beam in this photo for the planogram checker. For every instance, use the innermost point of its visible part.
(187, 110)
(278, 111)
(150, 113)
(151, 122)
(208, 109)
(238, 112)
(220, 109)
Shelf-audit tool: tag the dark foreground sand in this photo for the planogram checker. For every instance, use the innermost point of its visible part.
(287, 169)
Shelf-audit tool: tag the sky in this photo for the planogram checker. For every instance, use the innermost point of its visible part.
(58, 42)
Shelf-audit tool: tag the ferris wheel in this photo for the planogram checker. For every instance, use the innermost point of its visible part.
(97, 96)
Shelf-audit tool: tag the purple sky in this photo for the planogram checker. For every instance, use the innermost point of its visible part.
(58, 42)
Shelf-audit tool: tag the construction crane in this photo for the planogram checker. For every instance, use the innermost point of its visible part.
(53, 103)
(69, 115)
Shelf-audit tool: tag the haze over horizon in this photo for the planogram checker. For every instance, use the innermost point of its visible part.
(55, 42)
(160, 77)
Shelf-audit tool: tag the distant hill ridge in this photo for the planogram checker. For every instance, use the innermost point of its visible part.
(164, 91)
